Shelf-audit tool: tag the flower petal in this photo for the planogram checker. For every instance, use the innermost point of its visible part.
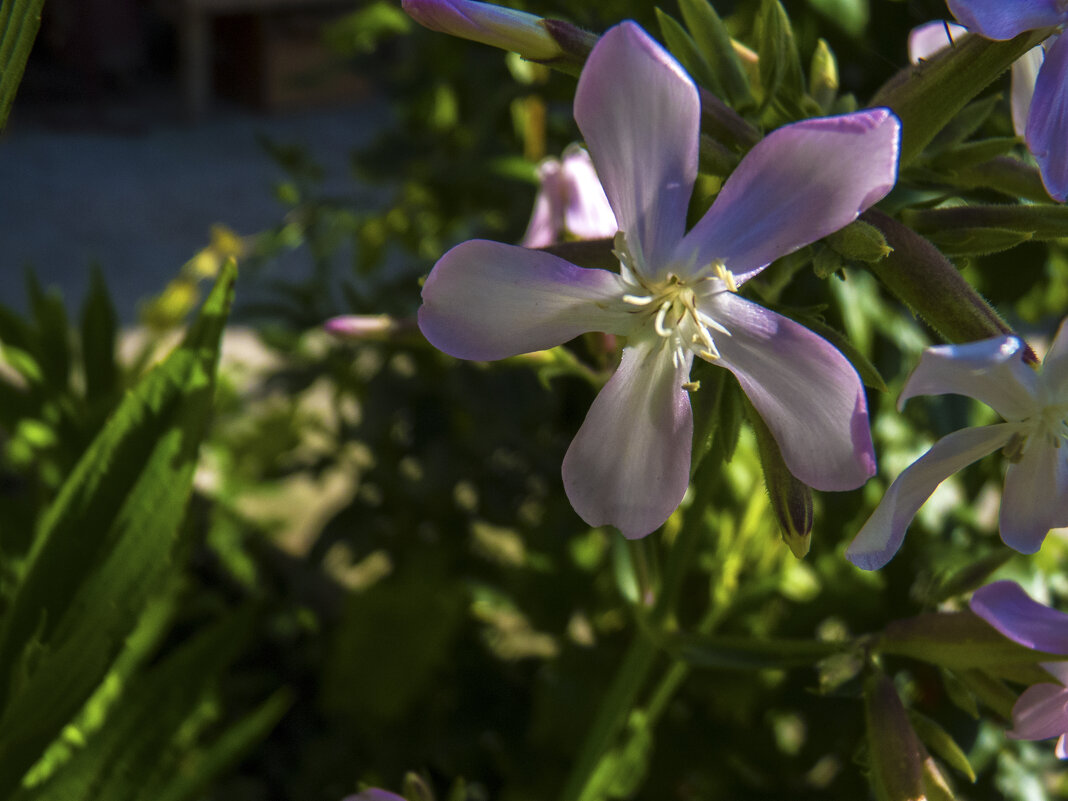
(879, 539)
(546, 221)
(800, 183)
(1040, 712)
(629, 464)
(1035, 498)
(990, 370)
(1004, 19)
(1055, 365)
(587, 213)
(1014, 613)
(807, 392)
(1024, 74)
(1047, 121)
(486, 300)
(639, 113)
(927, 39)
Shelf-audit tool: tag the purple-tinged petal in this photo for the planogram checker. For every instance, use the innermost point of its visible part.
(1062, 747)
(1055, 366)
(927, 39)
(547, 220)
(1014, 613)
(629, 464)
(1004, 19)
(639, 113)
(879, 539)
(1047, 121)
(805, 390)
(1035, 498)
(1059, 671)
(1040, 712)
(1024, 74)
(990, 370)
(486, 300)
(486, 23)
(800, 183)
(587, 213)
(374, 794)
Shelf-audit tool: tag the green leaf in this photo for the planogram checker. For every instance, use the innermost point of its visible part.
(106, 545)
(977, 241)
(621, 770)
(52, 335)
(894, 752)
(99, 328)
(959, 694)
(1004, 174)
(928, 96)
(958, 641)
(965, 123)
(120, 761)
(938, 740)
(972, 153)
(746, 653)
(1042, 222)
(682, 46)
(714, 43)
(19, 21)
(780, 64)
(851, 15)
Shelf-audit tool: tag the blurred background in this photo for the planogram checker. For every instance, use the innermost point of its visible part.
(422, 590)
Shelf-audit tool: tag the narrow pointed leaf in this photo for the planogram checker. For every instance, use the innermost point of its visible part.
(926, 97)
(1042, 222)
(714, 43)
(682, 46)
(977, 241)
(105, 545)
(941, 743)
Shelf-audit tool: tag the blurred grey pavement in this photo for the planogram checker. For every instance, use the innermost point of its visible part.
(135, 189)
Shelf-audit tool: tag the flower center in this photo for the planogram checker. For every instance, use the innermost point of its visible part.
(671, 306)
(1050, 424)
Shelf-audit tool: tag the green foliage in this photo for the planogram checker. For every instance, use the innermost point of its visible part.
(92, 567)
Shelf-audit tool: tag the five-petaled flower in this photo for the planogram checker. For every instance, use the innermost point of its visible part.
(676, 293)
(1041, 711)
(1040, 82)
(1034, 405)
(570, 202)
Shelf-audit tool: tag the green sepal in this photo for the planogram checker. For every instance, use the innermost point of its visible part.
(926, 97)
(827, 261)
(977, 241)
(714, 42)
(941, 743)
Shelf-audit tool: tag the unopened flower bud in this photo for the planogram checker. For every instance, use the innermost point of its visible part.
(790, 498)
(860, 241)
(360, 326)
(489, 24)
(823, 76)
(895, 753)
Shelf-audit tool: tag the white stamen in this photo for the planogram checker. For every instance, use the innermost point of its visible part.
(708, 322)
(638, 300)
(661, 315)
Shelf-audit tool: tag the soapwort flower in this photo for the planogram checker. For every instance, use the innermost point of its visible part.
(1041, 711)
(1040, 84)
(1034, 405)
(675, 296)
(570, 202)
